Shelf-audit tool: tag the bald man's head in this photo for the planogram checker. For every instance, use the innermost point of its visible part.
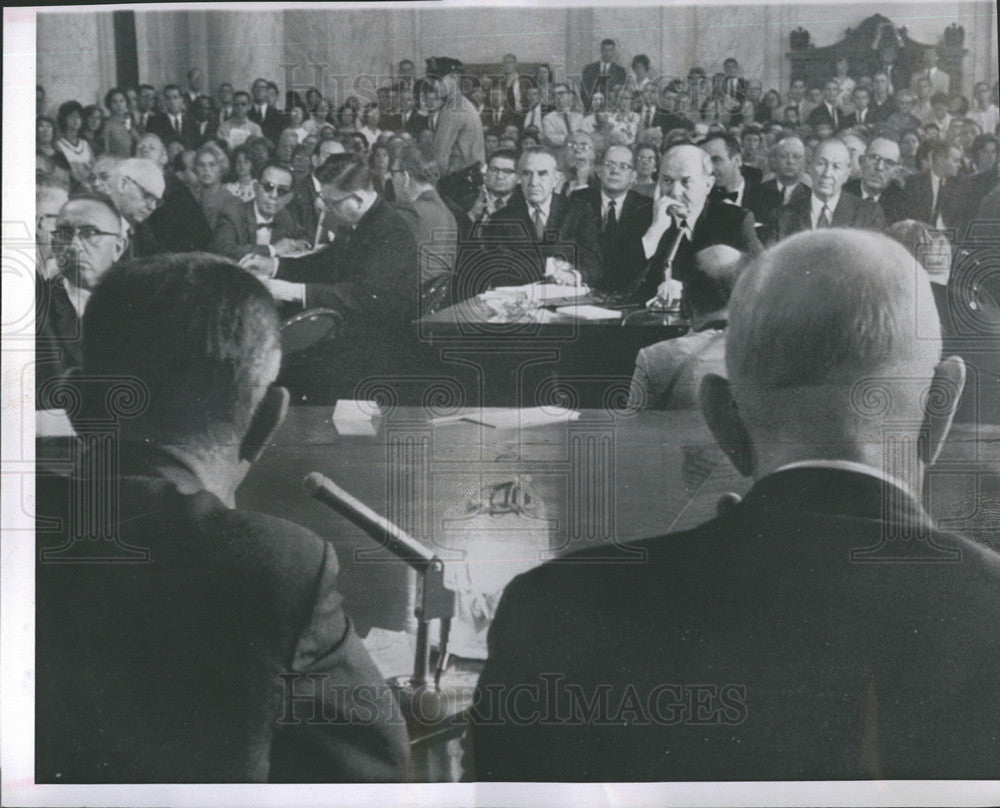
(824, 350)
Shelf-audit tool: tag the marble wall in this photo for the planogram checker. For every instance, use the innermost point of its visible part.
(350, 49)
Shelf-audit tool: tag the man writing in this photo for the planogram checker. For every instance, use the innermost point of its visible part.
(180, 666)
(786, 594)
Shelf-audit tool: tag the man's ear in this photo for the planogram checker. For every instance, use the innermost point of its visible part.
(265, 422)
(942, 401)
(723, 419)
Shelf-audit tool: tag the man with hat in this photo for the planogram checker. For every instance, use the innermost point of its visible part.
(458, 130)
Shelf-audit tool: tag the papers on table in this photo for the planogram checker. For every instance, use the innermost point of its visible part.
(511, 417)
(588, 312)
(545, 294)
(356, 417)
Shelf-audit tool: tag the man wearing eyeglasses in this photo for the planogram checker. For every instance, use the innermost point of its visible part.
(136, 187)
(879, 167)
(86, 240)
(625, 216)
(264, 225)
(238, 127)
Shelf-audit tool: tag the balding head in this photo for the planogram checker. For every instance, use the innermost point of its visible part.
(824, 354)
(716, 270)
(137, 188)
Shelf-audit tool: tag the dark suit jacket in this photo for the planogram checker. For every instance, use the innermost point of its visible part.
(621, 246)
(173, 670)
(571, 232)
(236, 231)
(508, 117)
(58, 334)
(759, 198)
(370, 274)
(954, 203)
(416, 124)
(850, 212)
(592, 80)
(891, 200)
(160, 124)
(758, 646)
(303, 205)
(854, 119)
(177, 225)
(821, 115)
(719, 223)
(667, 121)
(272, 124)
(881, 112)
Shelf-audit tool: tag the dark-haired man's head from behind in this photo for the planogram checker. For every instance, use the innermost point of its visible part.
(203, 337)
(708, 290)
(347, 188)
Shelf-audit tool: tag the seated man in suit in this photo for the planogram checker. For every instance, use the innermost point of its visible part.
(136, 187)
(828, 205)
(788, 162)
(263, 226)
(371, 271)
(87, 239)
(686, 218)
(306, 203)
(668, 374)
(736, 183)
(554, 237)
(786, 609)
(828, 112)
(938, 196)
(878, 178)
(178, 224)
(201, 654)
(414, 175)
(500, 184)
(625, 216)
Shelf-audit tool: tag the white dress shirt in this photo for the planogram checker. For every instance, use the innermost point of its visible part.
(846, 465)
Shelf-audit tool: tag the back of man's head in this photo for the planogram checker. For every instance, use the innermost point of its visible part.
(347, 172)
(199, 332)
(821, 324)
(711, 285)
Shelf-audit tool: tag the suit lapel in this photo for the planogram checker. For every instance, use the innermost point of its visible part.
(843, 215)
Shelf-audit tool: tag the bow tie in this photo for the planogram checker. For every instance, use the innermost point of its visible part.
(732, 196)
(265, 225)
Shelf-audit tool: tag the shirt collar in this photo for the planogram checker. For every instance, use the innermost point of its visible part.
(545, 206)
(817, 206)
(619, 202)
(77, 296)
(259, 216)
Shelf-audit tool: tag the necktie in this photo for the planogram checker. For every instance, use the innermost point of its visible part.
(569, 128)
(824, 219)
(936, 212)
(539, 221)
(610, 218)
(177, 124)
(732, 196)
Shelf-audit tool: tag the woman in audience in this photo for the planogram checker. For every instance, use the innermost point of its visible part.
(287, 141)
(846, 84)
(347, 116)
(909, 144)
(771, 108)
(246, 170)
(319, 116)
(369, 119)
(74, 148)
(210, 166)
(183, 168)
(646, 160)
(623, 120)
(984, 109)
(983, 152)
(379, 162)
(45, 131)
(93, 123)
(753, 150)
(119, 134)
(301, 165)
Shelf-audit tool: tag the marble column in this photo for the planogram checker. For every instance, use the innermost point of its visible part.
(245, 45)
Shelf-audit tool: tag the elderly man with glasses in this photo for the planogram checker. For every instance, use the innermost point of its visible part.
(87, 239)
(263, 226)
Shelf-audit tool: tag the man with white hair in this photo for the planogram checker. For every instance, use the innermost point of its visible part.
(828, 205)
(834, 631)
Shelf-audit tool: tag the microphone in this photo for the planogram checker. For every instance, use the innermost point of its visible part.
(396, 540)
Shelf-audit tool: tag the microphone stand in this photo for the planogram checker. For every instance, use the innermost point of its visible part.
(436, 601)
(657, 311)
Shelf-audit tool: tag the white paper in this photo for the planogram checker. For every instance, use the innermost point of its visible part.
(352, 417)
(588, 312)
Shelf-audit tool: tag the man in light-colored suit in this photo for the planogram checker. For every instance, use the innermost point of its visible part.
(458, 130)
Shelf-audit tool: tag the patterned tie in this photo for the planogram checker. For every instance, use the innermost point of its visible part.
(539, 221)
(824, 218)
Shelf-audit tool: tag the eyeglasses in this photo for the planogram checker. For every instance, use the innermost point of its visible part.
(148, 197)
(65, 233)
(618, 165)
(278, 190)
